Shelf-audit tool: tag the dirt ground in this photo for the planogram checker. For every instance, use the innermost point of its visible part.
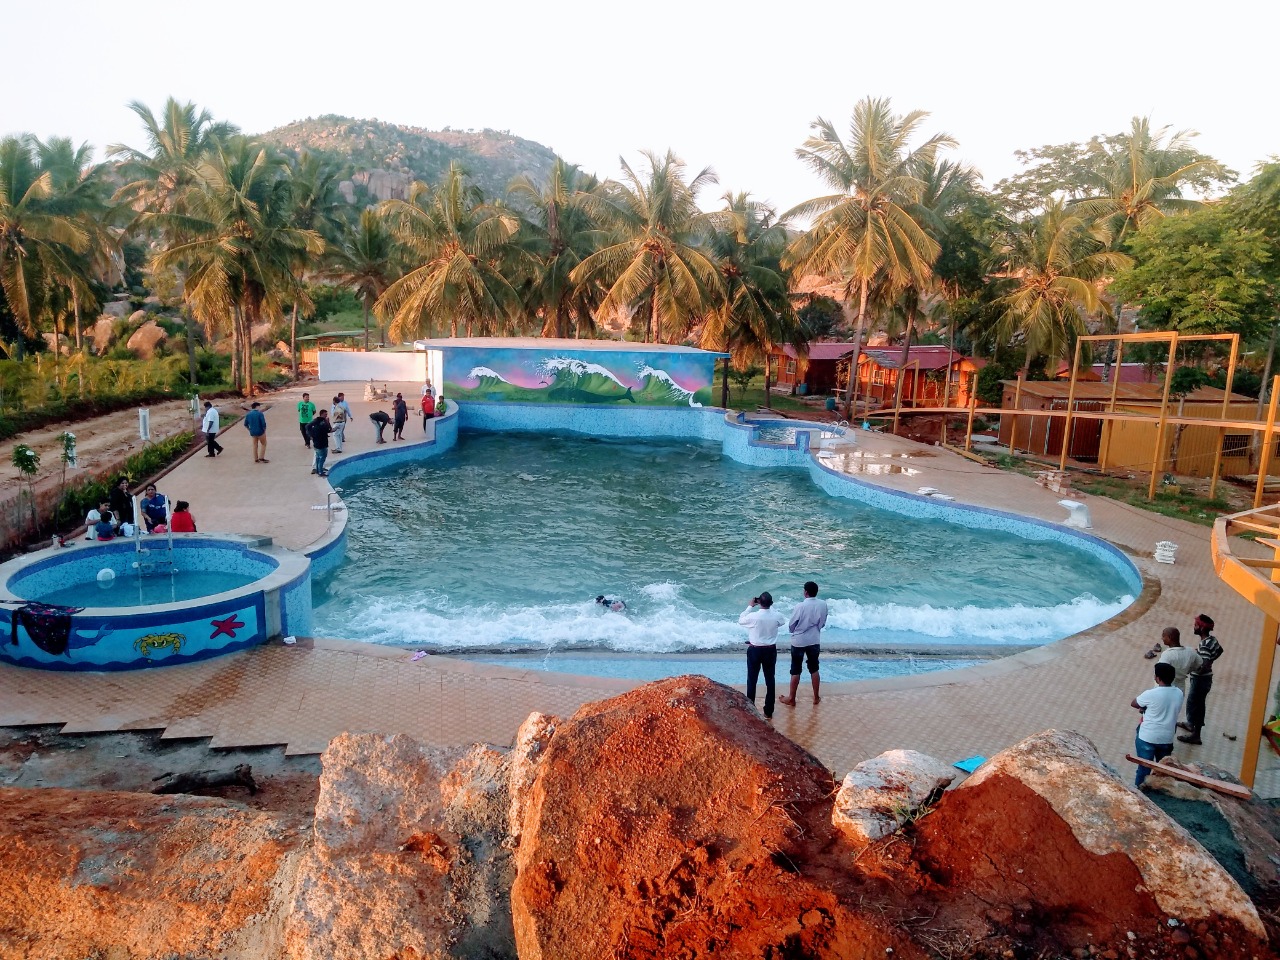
(131, 761)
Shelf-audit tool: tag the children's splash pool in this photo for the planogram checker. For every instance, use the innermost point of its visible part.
(502, 543)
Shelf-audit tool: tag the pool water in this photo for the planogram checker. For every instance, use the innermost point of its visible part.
(722, 669)
(770, 433)
(130, 590)
(501, 545)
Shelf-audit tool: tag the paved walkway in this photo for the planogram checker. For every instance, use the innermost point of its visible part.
(304, 695)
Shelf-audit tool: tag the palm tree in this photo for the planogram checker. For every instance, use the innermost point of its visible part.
(318, 205)
(35, 234)
(1056, 265)
(658, 257)
(161, 175)
(463, 248)
(1140, 178)
(80, 192)
(866, 226)
(948, 188)
(754, 311)
(366, 260)
(238, 243)
(559, 233)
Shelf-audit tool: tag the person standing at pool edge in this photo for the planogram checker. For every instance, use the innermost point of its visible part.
(807, 621)
(1201, 678)
(306, 413)
(1159, 707)
(320, 430)
(762, 623)
(401, 411)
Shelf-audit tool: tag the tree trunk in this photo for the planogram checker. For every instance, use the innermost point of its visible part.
(235, 347)
(562, 321)
(1177, 437)
(75, 305)
(651, 335)
(293, 340)
(852, 394)
(1111, 346)
(768, 368)
(906, 352)
(192, 368)
(366, 323)
(724, 383)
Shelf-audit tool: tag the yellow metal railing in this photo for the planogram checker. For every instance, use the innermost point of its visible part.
(1257, 579)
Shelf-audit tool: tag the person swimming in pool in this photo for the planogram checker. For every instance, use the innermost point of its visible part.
(617, 606)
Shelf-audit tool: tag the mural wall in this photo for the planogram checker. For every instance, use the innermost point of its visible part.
(521, 375)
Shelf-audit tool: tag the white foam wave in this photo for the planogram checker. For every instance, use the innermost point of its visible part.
(675, 389)
(1017, 624)
(479, 373)
(657, 620)
(581, 368)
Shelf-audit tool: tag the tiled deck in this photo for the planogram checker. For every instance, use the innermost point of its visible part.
(304, 695)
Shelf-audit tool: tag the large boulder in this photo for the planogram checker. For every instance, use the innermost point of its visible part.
(1046, 824)
(103, 332)
(129, 875)
(526, 753)
(146, 339)
(879, 795)
(673, 821)
(409, 858)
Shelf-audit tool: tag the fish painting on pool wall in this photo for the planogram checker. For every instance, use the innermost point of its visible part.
(654, 378)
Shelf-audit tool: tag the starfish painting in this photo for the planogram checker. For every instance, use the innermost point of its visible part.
(229, 626)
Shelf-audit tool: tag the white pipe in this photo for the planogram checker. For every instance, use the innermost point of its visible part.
(137, 525)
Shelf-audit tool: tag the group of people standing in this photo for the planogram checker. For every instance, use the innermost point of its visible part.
(323, 430)
(1183, 677)
(763, 623)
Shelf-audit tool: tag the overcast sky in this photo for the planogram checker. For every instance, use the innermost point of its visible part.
(733, 85)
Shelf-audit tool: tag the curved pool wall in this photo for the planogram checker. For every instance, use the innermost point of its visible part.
(739, 440)
(277, 602)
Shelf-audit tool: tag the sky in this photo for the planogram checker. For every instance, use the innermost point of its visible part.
(730, 85)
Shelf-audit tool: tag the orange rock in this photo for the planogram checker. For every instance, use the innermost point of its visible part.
(88, 873)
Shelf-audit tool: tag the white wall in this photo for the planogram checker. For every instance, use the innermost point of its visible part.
(350, 365)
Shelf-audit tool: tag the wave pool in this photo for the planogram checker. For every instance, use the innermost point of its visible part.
(501, 545)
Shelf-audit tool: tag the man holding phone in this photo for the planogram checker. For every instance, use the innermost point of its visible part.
(762, 623)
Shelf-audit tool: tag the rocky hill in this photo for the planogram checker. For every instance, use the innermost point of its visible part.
(385, 158)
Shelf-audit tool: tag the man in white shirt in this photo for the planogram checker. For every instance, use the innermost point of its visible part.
(209, 426)
(1159, 707)
(1183, 659)
(762, 623)
(807, 621)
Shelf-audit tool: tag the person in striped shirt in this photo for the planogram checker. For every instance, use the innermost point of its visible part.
(1201, 679)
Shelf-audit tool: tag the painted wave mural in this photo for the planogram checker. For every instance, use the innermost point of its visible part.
(643, 378)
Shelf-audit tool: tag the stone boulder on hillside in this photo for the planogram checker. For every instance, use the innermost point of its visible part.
(1046, 823)
(146, 339)
(673, 821)
(103, 332)
(136, 876)
(879, 795)
(409, 858)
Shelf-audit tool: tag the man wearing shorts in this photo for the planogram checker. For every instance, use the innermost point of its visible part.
(807, 621)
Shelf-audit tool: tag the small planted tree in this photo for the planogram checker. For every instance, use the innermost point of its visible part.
(743, 377)
(28, 463)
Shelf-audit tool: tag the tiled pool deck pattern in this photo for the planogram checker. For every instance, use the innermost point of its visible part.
(304, 695)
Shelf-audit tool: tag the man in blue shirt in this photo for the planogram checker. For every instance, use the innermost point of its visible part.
(807, 621)
(256, 423)
(155, 508)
